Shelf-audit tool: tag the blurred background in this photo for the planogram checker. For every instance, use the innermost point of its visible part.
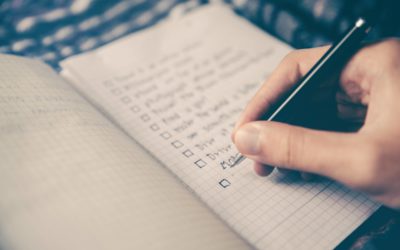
(54, 29)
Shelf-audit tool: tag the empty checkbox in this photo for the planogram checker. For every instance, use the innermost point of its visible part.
(126, 99)
(200, 163)
(224, 183)
(154, 127)
(187, 153)
(165, 135)
(177, 144)
(145, 117)
(135, 109)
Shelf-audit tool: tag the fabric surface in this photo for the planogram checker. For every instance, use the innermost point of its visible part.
(52, 30)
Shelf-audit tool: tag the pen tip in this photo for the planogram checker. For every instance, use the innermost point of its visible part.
(239, 159)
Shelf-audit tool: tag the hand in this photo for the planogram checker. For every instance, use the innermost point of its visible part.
(367, 160)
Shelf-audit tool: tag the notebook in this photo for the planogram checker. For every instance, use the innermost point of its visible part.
(128, 147)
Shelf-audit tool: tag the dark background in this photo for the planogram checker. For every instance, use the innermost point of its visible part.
(54, 29)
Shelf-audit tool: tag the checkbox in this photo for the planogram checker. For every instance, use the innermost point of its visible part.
(145, 117)
(165, 135)
(177, 144)
(135, 109)
(116, 92)
(126, 99)
(200, 163)
(224, 183)
(187, 153)
(154, 127)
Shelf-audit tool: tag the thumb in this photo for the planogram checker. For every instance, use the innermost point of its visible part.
(276, 144)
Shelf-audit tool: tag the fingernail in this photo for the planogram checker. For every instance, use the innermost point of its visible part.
(235, 128)
(247, 139)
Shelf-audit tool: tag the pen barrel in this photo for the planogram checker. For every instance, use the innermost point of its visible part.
(322, 78)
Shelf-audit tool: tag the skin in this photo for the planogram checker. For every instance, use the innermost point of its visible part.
(367, 160)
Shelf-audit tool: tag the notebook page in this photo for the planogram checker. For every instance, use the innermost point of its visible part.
(178, 88)
(70, 180)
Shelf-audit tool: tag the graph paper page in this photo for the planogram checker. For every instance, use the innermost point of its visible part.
(178, 89)
(71, 180)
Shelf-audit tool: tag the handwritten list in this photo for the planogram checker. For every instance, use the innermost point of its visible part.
(173, 96)
(178, 89)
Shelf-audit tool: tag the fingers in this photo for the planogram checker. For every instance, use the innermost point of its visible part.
(324, 153)
(370, 66)
(262, 170)
(291, 69)
(349, 110)
(352, 113)
(265, 170)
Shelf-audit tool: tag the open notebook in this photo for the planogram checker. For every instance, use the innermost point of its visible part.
(129, 148)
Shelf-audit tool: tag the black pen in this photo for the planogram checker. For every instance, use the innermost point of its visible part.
(331, 63)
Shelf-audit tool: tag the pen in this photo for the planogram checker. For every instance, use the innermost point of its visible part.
(331, 63)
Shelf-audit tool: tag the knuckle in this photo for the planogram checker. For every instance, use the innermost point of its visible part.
(294, 142)
(386, 53)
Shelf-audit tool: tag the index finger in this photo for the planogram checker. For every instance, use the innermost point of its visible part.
(295, 65)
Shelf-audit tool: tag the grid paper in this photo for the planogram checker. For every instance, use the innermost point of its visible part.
(177, 89)
(71, 180)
